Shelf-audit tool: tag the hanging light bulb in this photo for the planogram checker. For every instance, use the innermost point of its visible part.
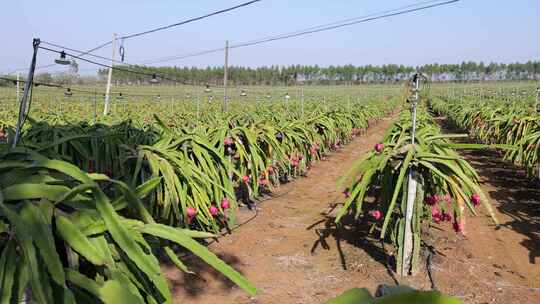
(154, 79)
(62, 60)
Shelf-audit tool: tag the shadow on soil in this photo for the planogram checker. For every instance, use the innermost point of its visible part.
(196, 283)
(517, 195)
(354, 232)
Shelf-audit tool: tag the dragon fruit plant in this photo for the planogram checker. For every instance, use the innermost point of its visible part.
(447, 184)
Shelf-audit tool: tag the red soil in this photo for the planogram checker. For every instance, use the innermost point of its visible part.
(293, 253)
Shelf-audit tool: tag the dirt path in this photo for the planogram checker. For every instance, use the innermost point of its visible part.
(491, 265)
(292, 253)
(279, 249)
(498, 265)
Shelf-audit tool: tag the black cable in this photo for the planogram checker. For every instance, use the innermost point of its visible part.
(153, 75)
(84, 53)
(81, 53)
(53, 85)
(171, 25)
(349, 19)
(387, 263)
(189, 20)
(35, 83)
(258, 202)
(429, 262)
(315, 29)
(286, 36)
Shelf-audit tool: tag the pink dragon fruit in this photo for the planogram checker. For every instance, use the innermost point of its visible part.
(225, 204)
(447, 198)
(446, 217)
(376, 214)
(379, 147)
(431, 200)
(228, 141)
(475, 199)
(436, 215)
(213, 210)
(191, 213)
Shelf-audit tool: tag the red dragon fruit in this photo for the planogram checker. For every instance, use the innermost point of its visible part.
(376, 214)
(225, 204)
(191, 213)
(379, 147)
(446, 217)
(431, 200)
(475, 199)
(447, 198)
(213, 210)
(436, 215)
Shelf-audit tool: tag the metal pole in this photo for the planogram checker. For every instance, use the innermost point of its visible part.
(18, 88)
(225, 76)
(411, 193)
(27, 87)
(109, 77)
(95, 106)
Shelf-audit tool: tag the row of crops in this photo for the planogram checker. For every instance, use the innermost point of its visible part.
(448, 187)
(87, 210)
(498, 121)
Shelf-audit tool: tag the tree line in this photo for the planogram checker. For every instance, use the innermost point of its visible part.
(346, 74)
(307, 74)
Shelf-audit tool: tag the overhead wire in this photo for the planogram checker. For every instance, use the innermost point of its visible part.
(89, 52)
(60, 86)
(81, 53)
(311, 30)
(161, 28)
(122, 69)
(424, 5)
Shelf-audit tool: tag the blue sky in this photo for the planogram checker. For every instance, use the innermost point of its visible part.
(487, 30)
